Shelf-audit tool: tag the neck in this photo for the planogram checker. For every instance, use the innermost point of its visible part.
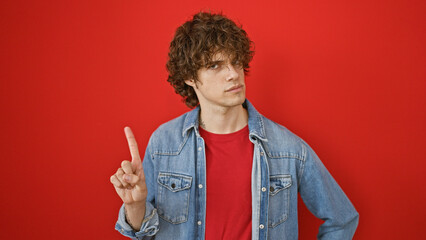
(223, 120)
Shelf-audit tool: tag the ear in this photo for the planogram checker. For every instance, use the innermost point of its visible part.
(190, 82)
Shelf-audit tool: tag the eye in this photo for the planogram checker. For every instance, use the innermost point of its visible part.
(214, 66)
(237, 63)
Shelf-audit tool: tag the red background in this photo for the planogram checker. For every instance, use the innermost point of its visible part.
(346, 76)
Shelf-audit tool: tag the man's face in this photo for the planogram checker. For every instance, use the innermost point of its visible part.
(220, 84)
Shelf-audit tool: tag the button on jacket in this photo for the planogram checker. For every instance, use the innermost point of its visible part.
(283, 165)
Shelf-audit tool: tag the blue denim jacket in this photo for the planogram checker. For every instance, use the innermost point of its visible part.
(283, 165)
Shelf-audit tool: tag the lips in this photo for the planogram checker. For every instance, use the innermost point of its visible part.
(234, 88)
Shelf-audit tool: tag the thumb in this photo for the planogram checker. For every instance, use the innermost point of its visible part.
(132, 179)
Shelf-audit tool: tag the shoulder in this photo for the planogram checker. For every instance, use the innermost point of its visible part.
(171, 127)
(281, 142)
(169, 137)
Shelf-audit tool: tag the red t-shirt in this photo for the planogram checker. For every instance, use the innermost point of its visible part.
(229, 159)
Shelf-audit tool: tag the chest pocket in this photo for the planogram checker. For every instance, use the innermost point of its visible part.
(173, 197)
(279, 199)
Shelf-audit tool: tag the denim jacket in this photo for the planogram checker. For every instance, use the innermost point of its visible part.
(283, 165)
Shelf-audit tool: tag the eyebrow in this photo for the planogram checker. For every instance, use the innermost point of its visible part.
(215, 62)
(218, 61)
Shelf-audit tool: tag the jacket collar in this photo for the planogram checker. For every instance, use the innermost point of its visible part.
(255, 122)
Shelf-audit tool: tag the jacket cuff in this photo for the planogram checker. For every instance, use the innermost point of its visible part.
(149, 224)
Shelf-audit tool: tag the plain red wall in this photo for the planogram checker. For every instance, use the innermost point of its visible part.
(346, 76)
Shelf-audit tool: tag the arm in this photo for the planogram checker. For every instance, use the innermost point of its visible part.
(326, 200)
(148, 228)
(137, 217)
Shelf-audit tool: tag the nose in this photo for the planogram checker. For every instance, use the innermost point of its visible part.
(232, 72)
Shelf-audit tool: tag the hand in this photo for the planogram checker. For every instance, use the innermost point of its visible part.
(129, 180)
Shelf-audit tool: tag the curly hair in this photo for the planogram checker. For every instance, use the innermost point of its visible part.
(194, 45)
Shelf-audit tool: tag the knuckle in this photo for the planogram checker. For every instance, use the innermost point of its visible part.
(115, 181)
(112, 179)
(122, 178)
(124, 163)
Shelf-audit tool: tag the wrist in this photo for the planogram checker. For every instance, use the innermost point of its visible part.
(135, 213)
(135, 206)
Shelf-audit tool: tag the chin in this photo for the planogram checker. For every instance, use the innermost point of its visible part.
(236, 102)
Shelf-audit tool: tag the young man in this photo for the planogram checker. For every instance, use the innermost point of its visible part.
(222, 170)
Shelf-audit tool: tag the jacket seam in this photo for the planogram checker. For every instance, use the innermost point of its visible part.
(302, 167)
(343, 226)
(173, 153)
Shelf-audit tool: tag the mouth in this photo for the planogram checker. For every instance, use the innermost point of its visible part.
(235, 88)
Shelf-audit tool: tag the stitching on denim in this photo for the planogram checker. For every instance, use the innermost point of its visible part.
(286, 155)
(150, 216)
(185, 215)
(262, 128)
(282, 176)
(272, 225)
(189, 178)
(302, 166)
(283, 154)
(173, 153)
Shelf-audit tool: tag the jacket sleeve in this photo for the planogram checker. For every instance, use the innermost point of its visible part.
(326, 200)
(150, 223)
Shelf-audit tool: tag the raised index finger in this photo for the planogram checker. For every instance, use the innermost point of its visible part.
(132, 145)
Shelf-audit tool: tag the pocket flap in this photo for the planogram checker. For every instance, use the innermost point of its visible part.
(278, 183)
(174, 182)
